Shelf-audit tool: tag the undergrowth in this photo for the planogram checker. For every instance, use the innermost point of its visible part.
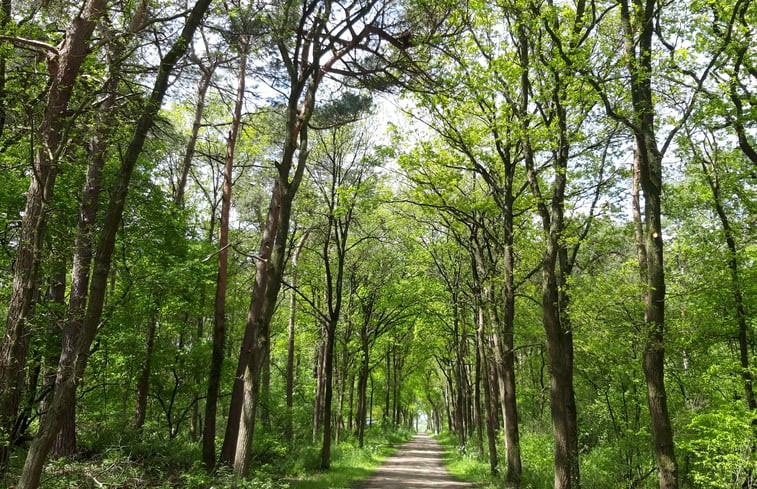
(128, 459)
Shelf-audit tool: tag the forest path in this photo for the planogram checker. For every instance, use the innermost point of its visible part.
(417, 465)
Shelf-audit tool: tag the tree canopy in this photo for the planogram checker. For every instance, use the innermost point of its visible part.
(243, 242)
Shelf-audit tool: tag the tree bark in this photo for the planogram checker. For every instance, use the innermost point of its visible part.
(320, 384)
(554, 271)
(505, 348)
(362, 394)
(305, 79)
(244, 390)
(478, 417)
(328, 395)
(82, 260)
(289, 430)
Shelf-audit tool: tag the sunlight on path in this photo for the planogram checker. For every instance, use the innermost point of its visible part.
(416, 465)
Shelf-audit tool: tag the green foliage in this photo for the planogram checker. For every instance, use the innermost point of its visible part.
(720, 443)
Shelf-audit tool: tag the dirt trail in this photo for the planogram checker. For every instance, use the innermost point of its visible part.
(417, 465)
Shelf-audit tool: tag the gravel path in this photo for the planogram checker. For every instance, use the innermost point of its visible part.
(417, 465)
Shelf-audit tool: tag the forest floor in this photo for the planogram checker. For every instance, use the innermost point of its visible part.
(417, 465)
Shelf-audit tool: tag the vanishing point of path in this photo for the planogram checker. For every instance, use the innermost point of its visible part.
(417, 465)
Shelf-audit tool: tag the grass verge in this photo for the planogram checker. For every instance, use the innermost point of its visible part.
(465, 464)
(351, 464)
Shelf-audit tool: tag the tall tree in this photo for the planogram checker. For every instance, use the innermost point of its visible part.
(311, 41)
(71, 368)
(340, 178)
(63, 63)
(219, 327)
(637, 24)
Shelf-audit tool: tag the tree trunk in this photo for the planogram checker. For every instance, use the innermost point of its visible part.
(270, 265)
(250, 345)
(491, 432)
(143, 386)
(219, 325)
(387, 392)
(555, 269)
(289, 430)
(71, 369)
(320, 386)
(328, 395)
(639, 51)
(351, 400)
(479, 418)
(64, 69)
(362, 408)
(51, 350)
(458, 345)
(506, 348)
(202, 90)
(5, 16)
(738, 298)
(82, 260)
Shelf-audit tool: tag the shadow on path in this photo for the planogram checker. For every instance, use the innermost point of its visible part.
(417, 465)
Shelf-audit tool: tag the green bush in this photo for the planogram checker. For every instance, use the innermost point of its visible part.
(719, 447)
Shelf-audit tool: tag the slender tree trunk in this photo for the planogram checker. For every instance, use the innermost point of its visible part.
(64, 69)
(202, 90)
(387, 393)
(320, 385)
(52, 346)
(328, 395)
(362, 387)
(639, 51)
(269, 269)
(458, 345)
(291, 339)
(351, 400)
(491, 432)
(5, 16)
(507, 345)
(71, 370)
(738, 298)
(219, 326)
(143, 386)
(479, 418)
(289, 429)
(555, 268)
(82, 260)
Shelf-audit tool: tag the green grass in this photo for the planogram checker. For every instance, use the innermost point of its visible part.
(351, 464)
(465, 465)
